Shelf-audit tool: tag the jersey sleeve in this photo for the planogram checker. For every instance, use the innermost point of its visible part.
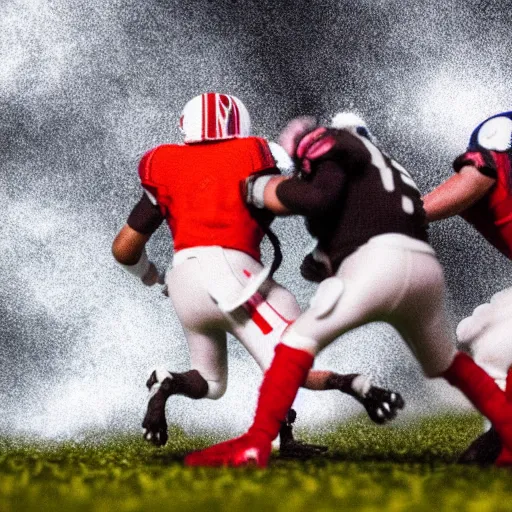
(316, 195)
(262, 159)
(145, 173)
(145, 216)
(146, 177)
(482, 160)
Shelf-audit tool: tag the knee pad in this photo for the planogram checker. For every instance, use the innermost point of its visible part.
(216, 389)
(326, 297)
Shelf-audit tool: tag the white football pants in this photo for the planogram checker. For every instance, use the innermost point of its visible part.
(487, 335)
(392, 278)
(203, 277)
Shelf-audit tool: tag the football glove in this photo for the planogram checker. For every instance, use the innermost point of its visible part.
(314, 270)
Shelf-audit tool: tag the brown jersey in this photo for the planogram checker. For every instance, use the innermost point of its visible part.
(352, 194)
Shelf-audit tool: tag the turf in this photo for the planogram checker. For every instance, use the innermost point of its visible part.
(368, 468)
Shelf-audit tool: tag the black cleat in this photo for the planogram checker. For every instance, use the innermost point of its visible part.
(290, 448)
(484, 450)
(154, 426)
(381, 405)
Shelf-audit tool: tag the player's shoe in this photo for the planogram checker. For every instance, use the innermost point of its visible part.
(505, 457)
(290, 448)
(505, 432)
(381, 405)
(154, 426)
(249, 449)
(484, 450)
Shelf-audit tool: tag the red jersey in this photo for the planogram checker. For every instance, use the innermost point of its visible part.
(197, 187)
(492, 215)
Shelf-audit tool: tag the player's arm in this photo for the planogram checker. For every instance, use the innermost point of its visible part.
(294, 196)
(129, 246)
(270, 200)
(457, 193)
(320, 192)
(312, 197)
(269, 160)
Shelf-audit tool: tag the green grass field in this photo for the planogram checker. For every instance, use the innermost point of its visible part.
(367, 468)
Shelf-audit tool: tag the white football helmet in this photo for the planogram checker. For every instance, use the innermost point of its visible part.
(496, 134)
(214, 116)
(350, 122)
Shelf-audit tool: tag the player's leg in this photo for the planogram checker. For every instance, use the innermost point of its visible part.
(258, 325)
(486, 396)
(360, 293)
(382, 405)
(486, 335)
(204, 328)
(486, 448)
(206, 379)
(421, 319)
(270, 313)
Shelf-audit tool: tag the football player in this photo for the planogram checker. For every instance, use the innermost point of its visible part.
(217, 283)
(480, 191)
(368, 216)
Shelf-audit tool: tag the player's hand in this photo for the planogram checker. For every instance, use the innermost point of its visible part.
(152, 276)
(313, 270)
(381, 405)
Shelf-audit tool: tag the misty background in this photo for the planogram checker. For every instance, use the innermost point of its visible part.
(87, 86)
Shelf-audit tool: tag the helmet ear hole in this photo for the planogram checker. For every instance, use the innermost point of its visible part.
(214, 116)
(362, 130)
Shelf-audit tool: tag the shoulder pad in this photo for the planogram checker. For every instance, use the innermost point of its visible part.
(145, 165)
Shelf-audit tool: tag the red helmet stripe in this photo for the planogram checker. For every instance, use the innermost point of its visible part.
(212, 132)
(203, 116)
(224, 115)
(236, 119)
(221, 98)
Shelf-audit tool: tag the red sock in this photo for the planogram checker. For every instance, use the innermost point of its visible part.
(287, 373)
(479, 388)
(508, 385)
